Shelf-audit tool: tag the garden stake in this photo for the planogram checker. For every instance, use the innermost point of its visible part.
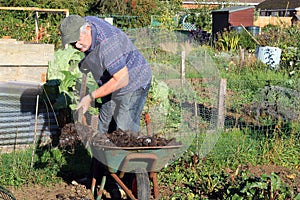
(35, 127)
(250, 35)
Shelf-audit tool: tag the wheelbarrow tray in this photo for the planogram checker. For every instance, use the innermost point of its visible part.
(128, 159)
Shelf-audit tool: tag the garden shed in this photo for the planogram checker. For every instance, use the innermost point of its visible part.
(224, 19)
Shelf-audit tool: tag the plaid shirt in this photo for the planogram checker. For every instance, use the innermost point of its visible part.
(111, 50)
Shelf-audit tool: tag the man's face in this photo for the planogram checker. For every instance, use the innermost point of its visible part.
(85, 40)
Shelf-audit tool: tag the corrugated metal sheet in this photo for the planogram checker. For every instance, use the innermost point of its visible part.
(18, 113)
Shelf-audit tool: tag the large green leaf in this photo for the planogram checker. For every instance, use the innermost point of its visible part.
(62, 60)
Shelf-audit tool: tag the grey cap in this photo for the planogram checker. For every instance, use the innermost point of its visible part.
(70, 28)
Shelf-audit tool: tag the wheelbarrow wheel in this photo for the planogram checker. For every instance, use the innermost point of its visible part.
(6, 194)
(140, 184)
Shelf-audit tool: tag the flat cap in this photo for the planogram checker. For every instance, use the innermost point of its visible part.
(70, 28)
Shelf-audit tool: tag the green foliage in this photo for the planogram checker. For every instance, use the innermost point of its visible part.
(126, 14)
(200, 17)
(288, 40)
(136, 13)
(227, 41)
(16, 167)
(223, 175)
(64, 74)
(20, 24)
(247, 41)
(265, 187)
(79, 7)
(50, 165)
(166, 13)
(63, 70)
(158, 95)
(64, 60)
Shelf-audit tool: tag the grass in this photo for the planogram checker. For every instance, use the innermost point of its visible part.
(51, 165)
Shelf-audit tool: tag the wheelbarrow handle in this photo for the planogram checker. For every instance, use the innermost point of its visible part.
(147, 121)
(83, 86)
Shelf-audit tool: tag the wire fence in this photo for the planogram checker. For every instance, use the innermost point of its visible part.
(265, 106)
(272, 109)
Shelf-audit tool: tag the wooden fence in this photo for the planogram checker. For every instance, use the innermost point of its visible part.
(262, 21)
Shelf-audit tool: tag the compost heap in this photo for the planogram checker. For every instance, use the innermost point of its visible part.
(72, 134)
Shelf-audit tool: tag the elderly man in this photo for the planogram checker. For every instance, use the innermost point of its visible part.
(122, 73)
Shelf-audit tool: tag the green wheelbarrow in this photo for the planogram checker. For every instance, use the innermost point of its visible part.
(142, 163)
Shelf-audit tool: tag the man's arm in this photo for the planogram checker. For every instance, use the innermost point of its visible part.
(118, 80)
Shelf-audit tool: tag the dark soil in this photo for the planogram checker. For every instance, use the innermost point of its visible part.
(289, 176)
(73, 133)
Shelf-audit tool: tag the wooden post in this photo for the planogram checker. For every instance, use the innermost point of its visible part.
(183, 67)
(37, 10)
(205, 58)
(197, 137)
(36, 19)
(81, 116)
(241, 57)
(221, 104)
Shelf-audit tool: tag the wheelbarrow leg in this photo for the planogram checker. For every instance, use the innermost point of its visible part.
(153, 176)
(93, 186)
(100, 192)
(123, 186)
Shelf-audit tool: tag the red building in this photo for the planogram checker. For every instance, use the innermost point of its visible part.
(219, 3)
(235, 16)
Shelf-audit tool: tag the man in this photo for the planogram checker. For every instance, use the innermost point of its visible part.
(122, 73)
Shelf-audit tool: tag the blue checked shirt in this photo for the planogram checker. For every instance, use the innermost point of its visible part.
(111, 50)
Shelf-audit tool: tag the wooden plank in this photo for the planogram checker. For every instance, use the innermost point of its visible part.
(26, 54)
(25, 74)
(10, 41)
(66, 11)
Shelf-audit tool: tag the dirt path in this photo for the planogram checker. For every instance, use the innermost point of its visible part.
(60, 191)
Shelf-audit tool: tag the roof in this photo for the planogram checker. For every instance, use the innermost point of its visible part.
(230, 2)
(278, 4)
(233, 9)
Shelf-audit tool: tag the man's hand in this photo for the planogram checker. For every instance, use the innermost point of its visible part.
(84, 103)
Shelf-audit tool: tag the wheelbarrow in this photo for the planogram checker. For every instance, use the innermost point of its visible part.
(142, 163)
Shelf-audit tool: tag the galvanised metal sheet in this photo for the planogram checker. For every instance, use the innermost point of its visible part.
(18, 124)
